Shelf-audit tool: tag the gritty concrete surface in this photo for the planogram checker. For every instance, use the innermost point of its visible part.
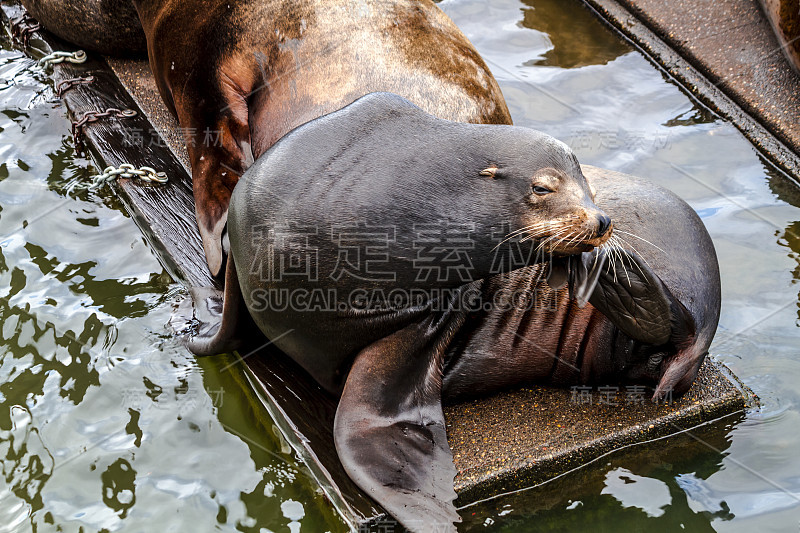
(726, 54)
(524, 437)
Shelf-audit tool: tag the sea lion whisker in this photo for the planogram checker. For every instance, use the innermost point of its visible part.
(560, 240)
(508, 237)
(552, 238)
(596, 258)
(541, 227)
(628, 244)
(536, 228)
(612, 264)
(533, 236)
(621, 253)
(573, 237)
(622, 245)
(618, 254)
(585, 233)
(640, 238)
(544, 242)
(570, 235)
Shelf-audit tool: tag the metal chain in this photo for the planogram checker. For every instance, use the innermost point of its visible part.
(79, 56)
(66, 85)
(126, 170)
(23, 27)
(94, 116)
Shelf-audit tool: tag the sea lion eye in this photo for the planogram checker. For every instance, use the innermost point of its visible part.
(541, 191)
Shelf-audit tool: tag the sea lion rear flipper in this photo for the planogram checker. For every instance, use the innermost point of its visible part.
(638, 302)
(389, 428)
(218, 315)
(628, 292)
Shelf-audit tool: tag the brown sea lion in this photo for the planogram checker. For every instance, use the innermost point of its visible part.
(105, 26)
(377, 245)
(784, 16)
(240, 74)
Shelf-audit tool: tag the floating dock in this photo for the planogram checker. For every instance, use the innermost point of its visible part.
(506, 442)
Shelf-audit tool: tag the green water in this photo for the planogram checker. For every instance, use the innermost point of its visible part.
(107, 423)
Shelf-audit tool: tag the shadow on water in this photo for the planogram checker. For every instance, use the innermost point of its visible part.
(788, 191)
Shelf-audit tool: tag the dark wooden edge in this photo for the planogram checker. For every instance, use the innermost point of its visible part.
(165, 213)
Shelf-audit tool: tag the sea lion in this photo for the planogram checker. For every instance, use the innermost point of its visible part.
(240, 74)
(784, 17)
(105, 26)
(361, 241)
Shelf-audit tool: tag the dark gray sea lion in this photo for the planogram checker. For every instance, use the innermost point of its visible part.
(368, 243)
(105, 26)
(250, 71)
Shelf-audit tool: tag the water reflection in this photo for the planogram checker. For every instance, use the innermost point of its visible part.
(106, 421)
(577, 37)
(788, 191)
(697, 115)
(636, 490)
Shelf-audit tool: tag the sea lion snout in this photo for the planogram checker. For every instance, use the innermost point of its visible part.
(560, 212)
(596, 225)
(603, 224)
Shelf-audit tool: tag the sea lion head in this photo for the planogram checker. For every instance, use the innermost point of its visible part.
(552, 203)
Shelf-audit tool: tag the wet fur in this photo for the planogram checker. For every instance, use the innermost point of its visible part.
(105, 26)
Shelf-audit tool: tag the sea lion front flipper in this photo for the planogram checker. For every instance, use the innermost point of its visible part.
(219, 152)
(217, 314)
(628, 292)
(389, 428)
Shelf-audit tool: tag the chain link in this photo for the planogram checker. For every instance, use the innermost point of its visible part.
(126, 170)
(55, 58)
(94, 116)
(23, 27)
(66, 85)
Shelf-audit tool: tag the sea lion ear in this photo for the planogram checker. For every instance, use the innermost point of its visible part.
(389, 428)
(491, 172)
(627, 291)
